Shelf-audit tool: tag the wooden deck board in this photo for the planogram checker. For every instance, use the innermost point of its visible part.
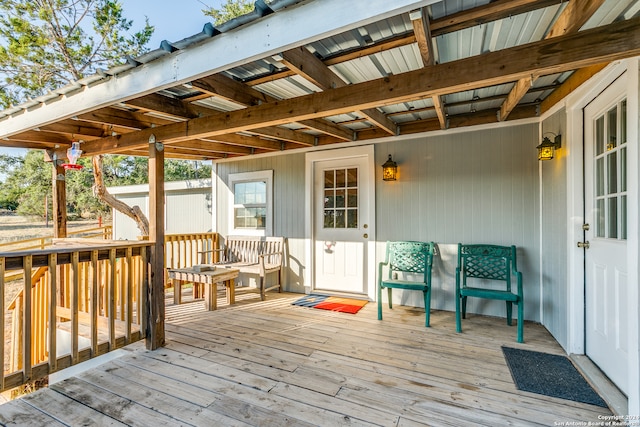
(268, 363)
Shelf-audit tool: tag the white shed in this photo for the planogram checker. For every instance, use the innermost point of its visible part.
(187, 207)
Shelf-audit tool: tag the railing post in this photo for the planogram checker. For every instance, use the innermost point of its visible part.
(2, 311)
(155, 301)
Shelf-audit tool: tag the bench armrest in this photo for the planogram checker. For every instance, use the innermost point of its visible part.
(203, 254)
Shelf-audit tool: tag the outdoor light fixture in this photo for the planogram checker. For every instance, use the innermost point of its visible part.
(547, 149)
(389, 170)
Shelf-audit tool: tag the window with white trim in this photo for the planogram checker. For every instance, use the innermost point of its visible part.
(251, 208)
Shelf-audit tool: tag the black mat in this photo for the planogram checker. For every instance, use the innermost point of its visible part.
(550, 375)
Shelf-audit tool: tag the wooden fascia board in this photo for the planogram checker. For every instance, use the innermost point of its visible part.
(305, 23)
(572, 18)
(608, 43)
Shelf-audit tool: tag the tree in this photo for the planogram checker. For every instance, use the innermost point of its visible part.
(46, 44)
(229, 10)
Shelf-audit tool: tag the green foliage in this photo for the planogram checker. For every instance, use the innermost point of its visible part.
(229, 10)
(46, 44)
(28, 182)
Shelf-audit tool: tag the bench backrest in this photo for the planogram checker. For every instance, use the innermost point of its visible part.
(242, 249)
(246, 249)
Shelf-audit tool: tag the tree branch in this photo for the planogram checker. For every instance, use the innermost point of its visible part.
(133, 212)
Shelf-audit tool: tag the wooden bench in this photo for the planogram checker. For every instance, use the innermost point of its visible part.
(251, 255)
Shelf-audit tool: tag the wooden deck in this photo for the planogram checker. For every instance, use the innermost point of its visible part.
(273, 364)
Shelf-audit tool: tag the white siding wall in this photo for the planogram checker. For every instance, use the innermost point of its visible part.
(187, 208)
(288, 208)
(554, 236)
(474, 187)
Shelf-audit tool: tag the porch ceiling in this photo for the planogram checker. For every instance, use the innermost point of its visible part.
(441, 65)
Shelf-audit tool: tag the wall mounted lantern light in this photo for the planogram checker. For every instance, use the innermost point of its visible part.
(389, 170)
(547, 149)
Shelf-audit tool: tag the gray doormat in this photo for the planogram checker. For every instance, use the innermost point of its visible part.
(550, 375)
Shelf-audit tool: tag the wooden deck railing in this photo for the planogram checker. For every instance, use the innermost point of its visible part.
(182, 250)
(84, 326)
(76, 302)
(104, 232)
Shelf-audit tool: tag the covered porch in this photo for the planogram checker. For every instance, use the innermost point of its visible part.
(461, 96)
(270, 363)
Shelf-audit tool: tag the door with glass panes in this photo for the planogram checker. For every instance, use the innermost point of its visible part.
(341, 224)
(606, 203)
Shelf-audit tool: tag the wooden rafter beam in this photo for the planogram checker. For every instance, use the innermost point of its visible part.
(169, 106)
(572, 18)
(422, 31)
(493, 11)
(245, 95)
(607, 43)
(313, 69)
(76, 129)
(123, 119)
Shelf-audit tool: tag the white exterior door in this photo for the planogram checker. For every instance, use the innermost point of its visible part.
(607, 287)
(342, 221)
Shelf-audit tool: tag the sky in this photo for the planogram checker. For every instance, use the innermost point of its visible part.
(173, 20)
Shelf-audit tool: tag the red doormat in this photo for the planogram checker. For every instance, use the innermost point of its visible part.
(325, 302)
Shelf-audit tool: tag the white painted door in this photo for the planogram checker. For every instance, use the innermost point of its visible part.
(341, 221)
(606, 213)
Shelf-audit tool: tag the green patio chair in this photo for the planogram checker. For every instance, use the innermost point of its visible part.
(407, 258)
(488, 263)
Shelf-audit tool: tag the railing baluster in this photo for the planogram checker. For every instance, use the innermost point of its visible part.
(112, 303)
(27, 332)
(93, 300)
(2, 343)
(53, 327)
(75, 287)
(129, 297)
(144, 291)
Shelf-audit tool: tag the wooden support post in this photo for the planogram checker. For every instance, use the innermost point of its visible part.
(155, 300)
(59, 200)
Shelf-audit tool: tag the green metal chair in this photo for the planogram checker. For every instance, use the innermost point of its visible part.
(407, 257)
(488, 262)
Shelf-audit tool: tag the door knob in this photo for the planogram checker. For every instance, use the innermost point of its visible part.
(365, 235)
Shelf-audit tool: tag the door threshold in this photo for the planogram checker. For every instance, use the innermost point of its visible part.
(340, 294)
(617, 401)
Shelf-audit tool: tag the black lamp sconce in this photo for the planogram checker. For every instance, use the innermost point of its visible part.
(389, 170)
(547, 149)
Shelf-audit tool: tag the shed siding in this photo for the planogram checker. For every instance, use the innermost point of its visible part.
(472, 187)
(187, 208)
(554, 238)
